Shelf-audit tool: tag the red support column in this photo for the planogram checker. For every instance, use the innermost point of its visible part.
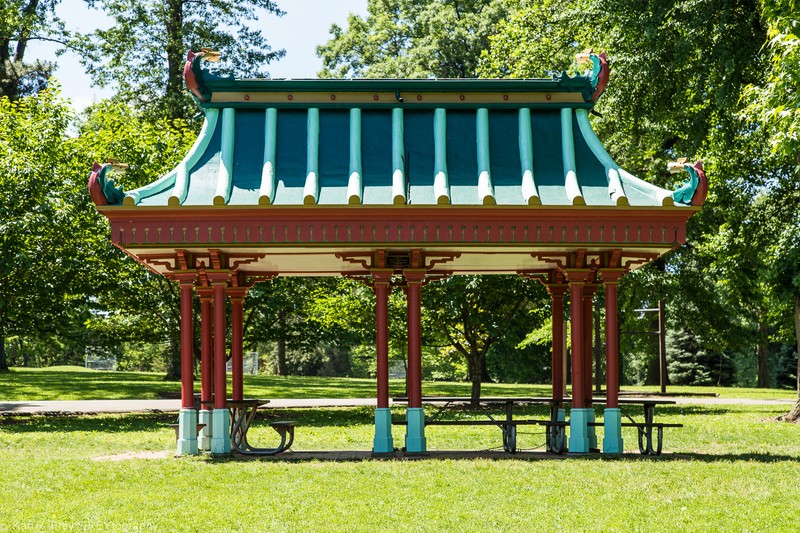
(415, 416)
(380, 282)
(414, 279)
(187, 342)
(219, 281)
(588, 328)
(581, 435)
(206, 353)
(237, 296)
(557, 293)
(611, 281)
(577, 279)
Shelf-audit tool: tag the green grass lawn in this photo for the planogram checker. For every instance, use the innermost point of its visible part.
(75, 383)
(729, 469)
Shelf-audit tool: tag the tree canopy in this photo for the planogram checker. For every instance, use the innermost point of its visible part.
(143, 52)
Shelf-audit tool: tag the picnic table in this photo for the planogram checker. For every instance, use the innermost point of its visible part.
(555, 435)
(555, 441)
(243, 412)
(644, 429)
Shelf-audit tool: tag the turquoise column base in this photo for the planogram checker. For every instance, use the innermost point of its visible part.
(204, 437)
(383, 431)
(187, 432)
(612, 426)
(220, 432)
(579, 430)
(590, 430)
(415, 430)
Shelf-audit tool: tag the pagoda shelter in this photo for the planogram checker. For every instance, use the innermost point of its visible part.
(397, 182)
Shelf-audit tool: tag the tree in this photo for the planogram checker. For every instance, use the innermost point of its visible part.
(786, 275)
(141, 305)
(34, 219)
(299, 315)
(679, 71)
(537, 40)
(476, 312)
(412, 39)
(774, 103)
(144, 51)
(20, 23)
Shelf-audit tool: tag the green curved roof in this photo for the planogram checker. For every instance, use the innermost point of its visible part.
(389, 142)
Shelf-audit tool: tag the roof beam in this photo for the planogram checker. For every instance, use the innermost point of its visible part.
(267, 191)
(615, 189)
(398, 159)
(485, 188)
(354, 183)
(571, 186)
(225, 173)
(311, 189)
(441, 187)
(528, 187)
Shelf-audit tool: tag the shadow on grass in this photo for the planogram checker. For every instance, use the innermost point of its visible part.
(150, 422)
(340, 456)
(107, 423)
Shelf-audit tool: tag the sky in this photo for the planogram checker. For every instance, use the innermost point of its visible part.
(304, 26)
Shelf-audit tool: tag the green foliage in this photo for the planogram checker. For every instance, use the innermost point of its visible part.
(23, 21)
(143, 52)
(689, 363)
(773, 100)
(40, 248)
(137, 305)
(537, 40)
(474, 314)
(412, 39)
(687, 78)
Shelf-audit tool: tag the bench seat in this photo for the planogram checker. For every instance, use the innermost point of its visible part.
(177, 428)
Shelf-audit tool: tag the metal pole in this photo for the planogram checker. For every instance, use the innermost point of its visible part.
(662, 345)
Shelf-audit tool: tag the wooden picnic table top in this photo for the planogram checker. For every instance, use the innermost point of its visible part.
(247, 402)
(488, 399)
(533, 399)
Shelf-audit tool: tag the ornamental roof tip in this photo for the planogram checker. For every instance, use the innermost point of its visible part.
(694, 190)
(103, 190)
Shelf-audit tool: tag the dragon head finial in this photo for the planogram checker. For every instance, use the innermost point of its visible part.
(102, 189)
(193, 75)
(599, 73)
(695, 189)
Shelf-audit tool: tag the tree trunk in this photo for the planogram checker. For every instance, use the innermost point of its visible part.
(762, 356)
(175, 58)
(475, 394)
(474, 370)
(174, 360)
(3, 362)
(280, 363)
(794, 414)
(24, 34)
(485, 377)
(25, 356)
